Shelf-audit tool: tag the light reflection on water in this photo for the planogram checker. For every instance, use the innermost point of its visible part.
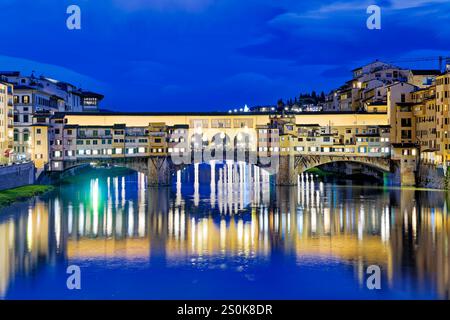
(235, 236)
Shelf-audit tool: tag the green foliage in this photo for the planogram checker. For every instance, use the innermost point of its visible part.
(22, 193)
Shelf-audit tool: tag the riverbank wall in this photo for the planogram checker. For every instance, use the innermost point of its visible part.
(17, 175)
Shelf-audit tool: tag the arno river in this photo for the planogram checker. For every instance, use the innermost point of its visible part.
(206, 238)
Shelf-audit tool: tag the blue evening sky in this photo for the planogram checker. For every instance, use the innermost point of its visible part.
(200, 55)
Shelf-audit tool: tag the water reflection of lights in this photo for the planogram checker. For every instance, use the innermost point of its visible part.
(312, 220)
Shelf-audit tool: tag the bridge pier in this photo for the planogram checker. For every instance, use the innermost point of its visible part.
(158, 172)
(405, 173)
(287, 173)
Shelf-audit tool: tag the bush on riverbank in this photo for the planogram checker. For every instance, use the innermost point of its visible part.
(22, 193)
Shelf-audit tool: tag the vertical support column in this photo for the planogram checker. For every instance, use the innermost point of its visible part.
(287, 175)
(158, 172)
(408, 174)
(404, 173)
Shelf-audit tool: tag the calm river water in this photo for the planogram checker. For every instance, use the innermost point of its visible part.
(203, 239)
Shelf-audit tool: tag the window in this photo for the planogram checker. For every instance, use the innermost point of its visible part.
(406, 134)
(25, 99)
(38, 131)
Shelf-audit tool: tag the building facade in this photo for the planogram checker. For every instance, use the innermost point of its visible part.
(37, 97)
(6, 122)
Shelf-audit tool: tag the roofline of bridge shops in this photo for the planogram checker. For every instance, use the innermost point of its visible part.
(112, 113)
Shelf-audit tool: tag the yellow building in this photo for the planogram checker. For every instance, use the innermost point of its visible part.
(39, 145)
(442, 117)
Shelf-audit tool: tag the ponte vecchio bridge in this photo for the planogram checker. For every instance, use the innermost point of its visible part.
(158, 144)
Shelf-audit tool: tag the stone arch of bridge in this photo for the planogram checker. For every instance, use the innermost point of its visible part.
(138, 164)
(304, 163)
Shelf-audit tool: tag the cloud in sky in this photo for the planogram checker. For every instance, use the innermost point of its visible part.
(145, 55)
(51, 71)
